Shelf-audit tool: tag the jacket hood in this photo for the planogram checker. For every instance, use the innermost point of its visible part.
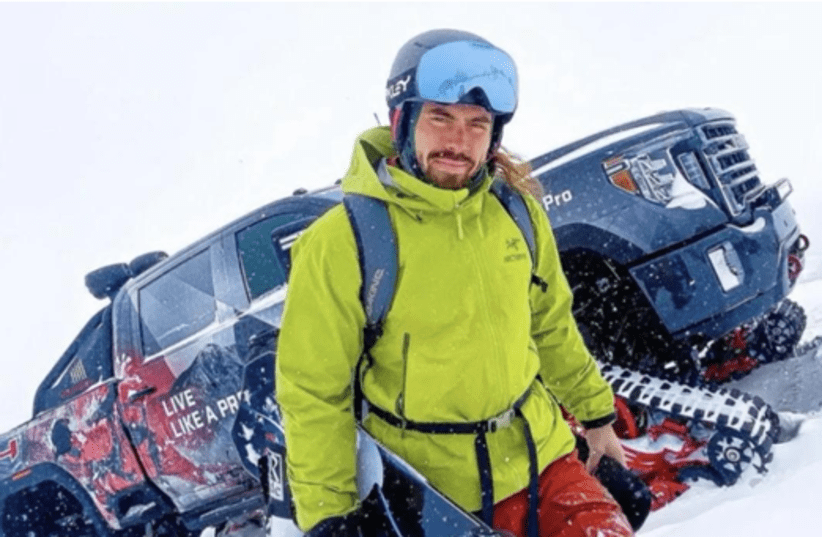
(369, 175)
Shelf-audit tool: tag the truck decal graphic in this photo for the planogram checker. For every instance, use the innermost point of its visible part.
(556, 199)
(11, 450)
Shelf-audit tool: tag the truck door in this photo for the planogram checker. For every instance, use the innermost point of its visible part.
(182, 383)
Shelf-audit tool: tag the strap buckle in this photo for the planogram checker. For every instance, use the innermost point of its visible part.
(501, 421)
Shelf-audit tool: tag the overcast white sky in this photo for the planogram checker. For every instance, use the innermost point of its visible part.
(126, 128)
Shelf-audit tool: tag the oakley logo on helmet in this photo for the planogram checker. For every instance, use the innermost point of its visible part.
(397, 87)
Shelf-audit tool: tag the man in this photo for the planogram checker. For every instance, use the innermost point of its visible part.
(477, 329)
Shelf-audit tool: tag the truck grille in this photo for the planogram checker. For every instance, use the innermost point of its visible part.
(715, 131)
(727, 152)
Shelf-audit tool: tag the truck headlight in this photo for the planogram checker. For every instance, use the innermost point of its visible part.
(652, 178)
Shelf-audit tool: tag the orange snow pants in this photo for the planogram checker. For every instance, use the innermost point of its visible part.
(572, 503)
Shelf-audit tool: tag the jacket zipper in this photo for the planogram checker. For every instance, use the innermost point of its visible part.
(400, 406)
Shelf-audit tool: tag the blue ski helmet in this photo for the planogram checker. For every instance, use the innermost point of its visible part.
(448, 66)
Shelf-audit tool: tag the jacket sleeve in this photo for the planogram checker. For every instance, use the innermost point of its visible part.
(567, 368)
(319, 344)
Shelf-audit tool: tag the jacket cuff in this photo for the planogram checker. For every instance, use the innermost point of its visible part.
(600, 422)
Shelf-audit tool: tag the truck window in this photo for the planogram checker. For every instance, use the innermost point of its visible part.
(86, 362)
(178, 304)
(264, 251)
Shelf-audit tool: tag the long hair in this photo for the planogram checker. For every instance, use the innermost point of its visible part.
(516, 172)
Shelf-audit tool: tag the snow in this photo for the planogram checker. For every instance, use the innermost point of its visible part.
(126, 128)
(684, 195)
(729, 277)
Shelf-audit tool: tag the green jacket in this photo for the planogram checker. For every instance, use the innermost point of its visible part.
(466, 336)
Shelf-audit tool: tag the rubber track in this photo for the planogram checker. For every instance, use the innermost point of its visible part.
(719, 408)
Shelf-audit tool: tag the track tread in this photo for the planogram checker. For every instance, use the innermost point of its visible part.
(725, 411)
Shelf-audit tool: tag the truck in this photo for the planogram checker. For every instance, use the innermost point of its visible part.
(161, 417)
(679, 254)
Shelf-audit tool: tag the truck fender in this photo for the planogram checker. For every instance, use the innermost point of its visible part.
(43, 473)
(578, 236)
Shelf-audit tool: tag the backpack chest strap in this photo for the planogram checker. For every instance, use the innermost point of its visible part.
(491, 425)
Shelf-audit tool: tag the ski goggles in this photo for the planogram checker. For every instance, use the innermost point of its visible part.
(448, 72)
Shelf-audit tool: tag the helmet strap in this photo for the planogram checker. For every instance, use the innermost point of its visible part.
(496, 143)
(403, 123)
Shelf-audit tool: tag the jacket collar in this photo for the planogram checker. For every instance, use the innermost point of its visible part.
(369, 174)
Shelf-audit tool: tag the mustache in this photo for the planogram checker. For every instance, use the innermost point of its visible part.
(450, 155)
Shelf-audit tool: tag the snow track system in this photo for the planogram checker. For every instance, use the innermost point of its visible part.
(722, 431)
(678, 423)
(778, 333)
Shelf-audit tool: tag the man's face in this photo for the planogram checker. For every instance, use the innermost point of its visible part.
(452, 142)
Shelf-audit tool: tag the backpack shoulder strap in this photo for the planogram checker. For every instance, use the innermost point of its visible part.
(377, 250)
(515, 205)
(378, 257)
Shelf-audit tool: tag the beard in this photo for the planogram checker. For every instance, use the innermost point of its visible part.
(444, 179)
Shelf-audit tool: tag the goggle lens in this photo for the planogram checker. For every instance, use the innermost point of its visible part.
(440, 78)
